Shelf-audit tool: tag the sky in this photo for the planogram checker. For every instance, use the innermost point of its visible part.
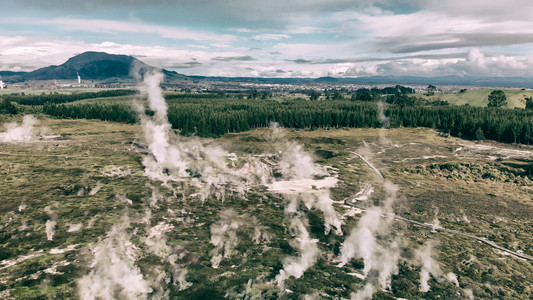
(277, 38)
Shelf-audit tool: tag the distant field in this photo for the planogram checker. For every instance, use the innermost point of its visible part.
(515, 98)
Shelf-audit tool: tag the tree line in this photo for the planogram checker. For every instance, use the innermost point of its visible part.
(217, 116)
(56, 98)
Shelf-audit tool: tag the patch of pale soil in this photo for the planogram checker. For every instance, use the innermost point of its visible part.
(9, 263)
(495, 150)
(63, 250)
(351, 211)
(291, 187)
(360, 276)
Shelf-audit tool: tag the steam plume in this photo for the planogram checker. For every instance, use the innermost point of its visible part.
(429, 265)
(113, 271)
(369, 240)
(224, 236)
(308, 253)
(50, 224)
(298, 168)
(22, 133)
(156, 132)
(364, 294)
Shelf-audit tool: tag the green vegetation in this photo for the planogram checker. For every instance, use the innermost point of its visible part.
(6, 107)
(529, 102)
(497, 98)
(217, 116)
(110, 112)
(63, 98)
(479, 97)
(471, 192)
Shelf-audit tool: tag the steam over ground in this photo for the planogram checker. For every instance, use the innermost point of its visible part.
(20, 133)
(258, 222)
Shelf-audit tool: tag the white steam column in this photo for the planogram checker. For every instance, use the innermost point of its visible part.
(2, 84)
(79, 78)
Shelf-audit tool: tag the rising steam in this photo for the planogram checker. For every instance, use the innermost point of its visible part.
(370, 241)
(298, 172)
(113, 271)
(308, 252)
(156, 132)
(20, 133)
(224, 236)
(50, 224)
(429, 267)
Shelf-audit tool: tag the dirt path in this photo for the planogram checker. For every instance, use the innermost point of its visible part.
(350, 201)
(363, 195)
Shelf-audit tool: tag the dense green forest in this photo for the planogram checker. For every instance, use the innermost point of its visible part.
(44, 98)
(213, 115)
(216, 116)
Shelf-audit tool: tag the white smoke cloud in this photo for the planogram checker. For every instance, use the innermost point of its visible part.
(158, 245)
(75, 227)
(295, 266)
(224, 236)
(429, 265)
(20, 133)
(96, 189)
(156, 132)
(364, 294)
(469, 294)
(299, 170)
(323, 202)
(113, 271)
(260, 233)
(361, 241)
(50, 229)
(370, 241)
(50, 224)
(452, 278)
(426, 258)
(208, 169)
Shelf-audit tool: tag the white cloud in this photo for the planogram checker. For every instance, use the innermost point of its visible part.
(271, 36)
(297, 38)
(476, 63)
(113, 27)
(28, 53)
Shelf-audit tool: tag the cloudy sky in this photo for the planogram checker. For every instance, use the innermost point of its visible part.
(277, 38)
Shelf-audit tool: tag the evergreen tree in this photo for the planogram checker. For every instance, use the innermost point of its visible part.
(480, 136)
(529, 102)
(497, 98)
(6, 107)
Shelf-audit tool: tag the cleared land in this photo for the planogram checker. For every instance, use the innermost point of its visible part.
(515, 97)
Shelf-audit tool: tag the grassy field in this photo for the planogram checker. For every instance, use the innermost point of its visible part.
(70, 179)
(515, 97)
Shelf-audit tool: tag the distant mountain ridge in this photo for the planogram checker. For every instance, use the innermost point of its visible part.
(102, 66)
(90, 65)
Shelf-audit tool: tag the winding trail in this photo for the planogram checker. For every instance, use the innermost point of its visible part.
(368, 189)
(352, 199)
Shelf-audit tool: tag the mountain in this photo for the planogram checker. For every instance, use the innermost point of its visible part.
(91, 65)
(11, 73)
